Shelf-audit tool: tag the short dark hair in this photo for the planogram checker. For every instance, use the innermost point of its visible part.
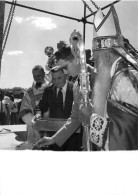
(38, 67)
(64, 54)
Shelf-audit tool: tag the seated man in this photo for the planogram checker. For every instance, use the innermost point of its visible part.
(31, 100)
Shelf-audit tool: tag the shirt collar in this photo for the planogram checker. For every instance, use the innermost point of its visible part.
(44, 84)
(64, 87)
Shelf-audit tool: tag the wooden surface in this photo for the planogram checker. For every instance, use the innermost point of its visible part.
(50, 125)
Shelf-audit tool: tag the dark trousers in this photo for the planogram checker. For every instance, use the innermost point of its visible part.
(2, 118)
(13, 118)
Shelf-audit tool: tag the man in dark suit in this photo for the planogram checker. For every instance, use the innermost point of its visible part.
(57, 98)
(57, 103)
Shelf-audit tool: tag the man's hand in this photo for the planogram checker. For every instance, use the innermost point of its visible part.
(35, 119)
(45, 141)
(85, 114)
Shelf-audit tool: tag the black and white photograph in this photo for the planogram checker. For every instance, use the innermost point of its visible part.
(68, 97)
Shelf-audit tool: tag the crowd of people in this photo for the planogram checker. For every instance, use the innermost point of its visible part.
(9, 109)
(112, 112)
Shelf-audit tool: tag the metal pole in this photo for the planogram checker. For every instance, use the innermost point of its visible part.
(2, 12)
(84, 24)
(43, 11)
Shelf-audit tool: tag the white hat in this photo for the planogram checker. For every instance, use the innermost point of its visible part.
(107, 34)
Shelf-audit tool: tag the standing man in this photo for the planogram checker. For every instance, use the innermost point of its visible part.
(13, 110)
(114, 122)
(31, 100)
(2, 109)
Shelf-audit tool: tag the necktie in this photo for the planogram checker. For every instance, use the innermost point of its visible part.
(60, 99)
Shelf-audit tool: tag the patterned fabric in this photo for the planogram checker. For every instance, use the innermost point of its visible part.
(30, 101)
(122, 107)
(98, 131)
(123, 129)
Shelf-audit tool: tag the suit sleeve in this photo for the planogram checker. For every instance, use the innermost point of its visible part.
(44, 104)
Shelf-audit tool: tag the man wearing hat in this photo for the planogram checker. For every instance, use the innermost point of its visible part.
(114, 122)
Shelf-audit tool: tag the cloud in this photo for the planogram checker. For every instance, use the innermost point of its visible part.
(14, 53)
(19, 19)
(41, 23)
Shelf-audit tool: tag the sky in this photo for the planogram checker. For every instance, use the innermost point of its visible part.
(27, 173)
(32, 31)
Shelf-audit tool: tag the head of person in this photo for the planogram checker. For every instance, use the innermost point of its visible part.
(1, 94)
(59, 77)
(12, 98)
(38, 74)
(67, 61)
(108, 41)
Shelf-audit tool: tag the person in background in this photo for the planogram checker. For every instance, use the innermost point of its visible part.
(2, 109)
(8, 104)
(31, 100)
(13, 111)
(20, 121)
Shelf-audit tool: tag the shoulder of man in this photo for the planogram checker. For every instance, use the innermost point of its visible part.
(30, 89)
(48, 88)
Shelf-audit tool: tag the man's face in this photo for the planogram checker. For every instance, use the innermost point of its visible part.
(59, 79)
(71, 66)
(38, 76)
